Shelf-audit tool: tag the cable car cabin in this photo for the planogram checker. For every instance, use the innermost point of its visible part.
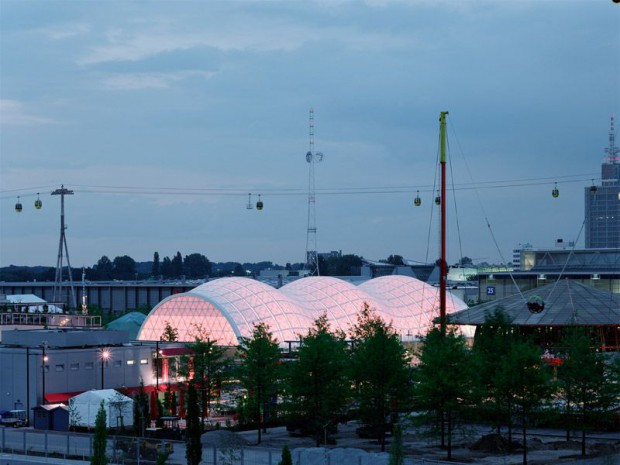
(438, 200)
(593, 189)
(18, 206)
(417, 201)
(259, 204)
(37, 203)
(555, 193)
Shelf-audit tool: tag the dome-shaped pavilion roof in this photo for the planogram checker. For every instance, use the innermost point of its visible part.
(228, 308)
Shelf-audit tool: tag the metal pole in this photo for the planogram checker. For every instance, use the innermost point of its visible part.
(443, 269)
(157, 366)
(102, 362)
(28, 384)
(43, 361)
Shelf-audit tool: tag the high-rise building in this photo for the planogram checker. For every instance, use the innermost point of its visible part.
(602, 203)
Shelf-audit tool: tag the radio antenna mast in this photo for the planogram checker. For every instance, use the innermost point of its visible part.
(312, 158)
(58, 294)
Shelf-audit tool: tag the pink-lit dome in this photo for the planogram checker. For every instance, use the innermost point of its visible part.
(228, 308)
(410, 304)
(340, 300)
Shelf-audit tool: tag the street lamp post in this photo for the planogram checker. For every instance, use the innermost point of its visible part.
(44, 359)
(105, 355)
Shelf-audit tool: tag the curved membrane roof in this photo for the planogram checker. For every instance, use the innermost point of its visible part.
(228, 308)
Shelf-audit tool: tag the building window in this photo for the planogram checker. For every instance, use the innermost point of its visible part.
(118, 363)
(131, 362)
(75, 366)
(144, 361)
(60, 367)
(88, 366)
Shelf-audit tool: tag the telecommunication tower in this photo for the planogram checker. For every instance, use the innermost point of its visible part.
(612, 151)
(312, 158)
(58, 284)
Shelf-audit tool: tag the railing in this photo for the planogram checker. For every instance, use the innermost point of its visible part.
(56, 320)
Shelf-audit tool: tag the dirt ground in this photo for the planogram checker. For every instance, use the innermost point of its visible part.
(544, 446)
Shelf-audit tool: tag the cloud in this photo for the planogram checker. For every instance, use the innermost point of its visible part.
(136, 81)
(242, 34)
(12, 112)
(65, 31)
(134, 46)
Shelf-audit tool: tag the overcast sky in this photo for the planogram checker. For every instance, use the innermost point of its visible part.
(163, 115)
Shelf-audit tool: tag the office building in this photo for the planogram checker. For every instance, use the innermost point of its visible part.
(602, 202)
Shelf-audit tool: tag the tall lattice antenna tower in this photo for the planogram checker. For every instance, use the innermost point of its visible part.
(312, 157)
(612, 151)
(58, 293)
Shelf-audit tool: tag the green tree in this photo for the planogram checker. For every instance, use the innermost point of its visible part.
(166, 268)
(395, 260)
(239, 270)
(104, 268)
(210, 366)
(124, 267)
(396, 452)
(341, 266)
(193, 445)
(170, 400)
(318, 384)
(170, 333)
(162, 458)
(259, 371)
(526, 381)
(442, 380)
(100, 439)
(196, 266)
(492, 343)
(141, 410)
(287, 459)
(155, 269)
(586, 381)
(177, 265)
(380, 370)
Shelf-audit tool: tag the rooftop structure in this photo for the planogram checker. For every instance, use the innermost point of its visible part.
(549, 308)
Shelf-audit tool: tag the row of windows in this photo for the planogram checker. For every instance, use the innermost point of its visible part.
(91, 365)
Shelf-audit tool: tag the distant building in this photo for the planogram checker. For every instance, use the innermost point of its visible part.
(599, 268)
(602, 203)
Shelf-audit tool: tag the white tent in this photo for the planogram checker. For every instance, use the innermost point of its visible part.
(83, 408)
(35, 304)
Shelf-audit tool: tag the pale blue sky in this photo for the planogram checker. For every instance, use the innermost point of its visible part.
(158, 99)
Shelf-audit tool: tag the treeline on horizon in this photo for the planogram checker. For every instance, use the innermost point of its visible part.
(192, 266)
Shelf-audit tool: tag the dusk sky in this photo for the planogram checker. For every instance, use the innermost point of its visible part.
(163, 115)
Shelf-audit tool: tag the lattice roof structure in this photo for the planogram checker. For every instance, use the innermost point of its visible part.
(228, 308)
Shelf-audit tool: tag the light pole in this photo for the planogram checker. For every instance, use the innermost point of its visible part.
(105, 355)
(44, 359)
(157, 366)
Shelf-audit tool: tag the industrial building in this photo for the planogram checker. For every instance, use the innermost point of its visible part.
(50, 366)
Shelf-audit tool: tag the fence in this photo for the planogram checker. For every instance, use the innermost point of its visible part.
(35, 446)
(261, 456)
(79, 446)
